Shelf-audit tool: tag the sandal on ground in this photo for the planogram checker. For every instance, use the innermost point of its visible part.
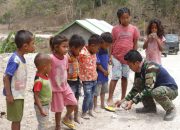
(69, 124)
(110, 108)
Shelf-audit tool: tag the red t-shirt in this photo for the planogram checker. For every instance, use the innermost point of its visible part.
(123, 40)
(38, 84)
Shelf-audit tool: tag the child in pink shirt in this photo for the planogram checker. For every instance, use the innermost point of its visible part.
(154, 41)
(62, 94)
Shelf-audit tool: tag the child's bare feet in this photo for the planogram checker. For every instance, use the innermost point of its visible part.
(110, 103)
(58, 127)
(85, 116)
(76, 119)
(91, 113)
(96, 110)
(102, 106)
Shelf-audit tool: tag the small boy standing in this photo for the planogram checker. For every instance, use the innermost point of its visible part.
(88, 73)
(76, 43)
(16, 76)
(102, 69)
(42, 90)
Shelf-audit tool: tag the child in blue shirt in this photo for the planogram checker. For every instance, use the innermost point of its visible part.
(102, 69)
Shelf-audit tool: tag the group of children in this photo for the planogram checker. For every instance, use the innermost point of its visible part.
(73, 64)
(59, 78)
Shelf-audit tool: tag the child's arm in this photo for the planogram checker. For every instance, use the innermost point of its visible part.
(159, 42)
(99, 66)
(145, 44)
(135, 38)
(36, 89)
(146, 41)
(38, 103)
(105, 72)
(135, 44)
(7, 86)
(110, 56)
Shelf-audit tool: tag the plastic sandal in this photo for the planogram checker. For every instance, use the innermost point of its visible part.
(69, 124)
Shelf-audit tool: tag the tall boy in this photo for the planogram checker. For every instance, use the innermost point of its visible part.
(16, 76)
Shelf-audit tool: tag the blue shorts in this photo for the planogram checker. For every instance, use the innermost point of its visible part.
(119, 70)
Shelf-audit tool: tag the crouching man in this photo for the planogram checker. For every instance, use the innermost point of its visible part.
(151, 82)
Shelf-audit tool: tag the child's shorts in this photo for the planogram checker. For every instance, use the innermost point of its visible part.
(101, 88)
(76, 88)
(119, 70)
(61, 99)
(43, 121)
(15, 110)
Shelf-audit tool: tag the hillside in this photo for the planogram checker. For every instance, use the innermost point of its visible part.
(50, 15)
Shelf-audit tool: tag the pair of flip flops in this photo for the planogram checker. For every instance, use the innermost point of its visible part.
(110, 108)
(69, 124)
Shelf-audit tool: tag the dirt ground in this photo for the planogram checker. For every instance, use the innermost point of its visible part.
(104, 120)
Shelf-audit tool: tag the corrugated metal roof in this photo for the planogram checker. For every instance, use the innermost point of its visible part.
(92, 25)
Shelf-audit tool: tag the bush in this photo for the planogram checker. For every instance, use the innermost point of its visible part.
(8, 45)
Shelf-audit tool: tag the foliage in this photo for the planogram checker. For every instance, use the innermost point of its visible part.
(69, 10)
(8, 44)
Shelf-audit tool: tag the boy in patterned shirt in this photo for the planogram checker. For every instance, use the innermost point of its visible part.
(76, 43)
(88, 73)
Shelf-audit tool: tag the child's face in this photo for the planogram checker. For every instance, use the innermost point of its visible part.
(154, 28)
(63, 48)
(76, 51)
(29, 47)
(48, 67)
(93, 48)
(125, 19)
(105, 45)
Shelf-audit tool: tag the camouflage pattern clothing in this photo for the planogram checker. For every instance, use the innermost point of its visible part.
(153, 82)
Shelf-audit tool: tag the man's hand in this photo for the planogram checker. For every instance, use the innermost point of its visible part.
(119, 102)
(9, 99)
(129, 105)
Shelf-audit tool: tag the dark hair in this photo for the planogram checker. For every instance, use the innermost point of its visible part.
(107, 37)
(22, 37)
(41, 59)
(121, 11)
(57, 40)
(94, 39)
(160, 29)
(76, 41)
(133, 56)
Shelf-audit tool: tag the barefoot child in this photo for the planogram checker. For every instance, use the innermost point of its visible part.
(16, 76)
(102, 69)
(42, 90)
(62, 94)
(76, 43)
(88, 73)
(125, 38)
